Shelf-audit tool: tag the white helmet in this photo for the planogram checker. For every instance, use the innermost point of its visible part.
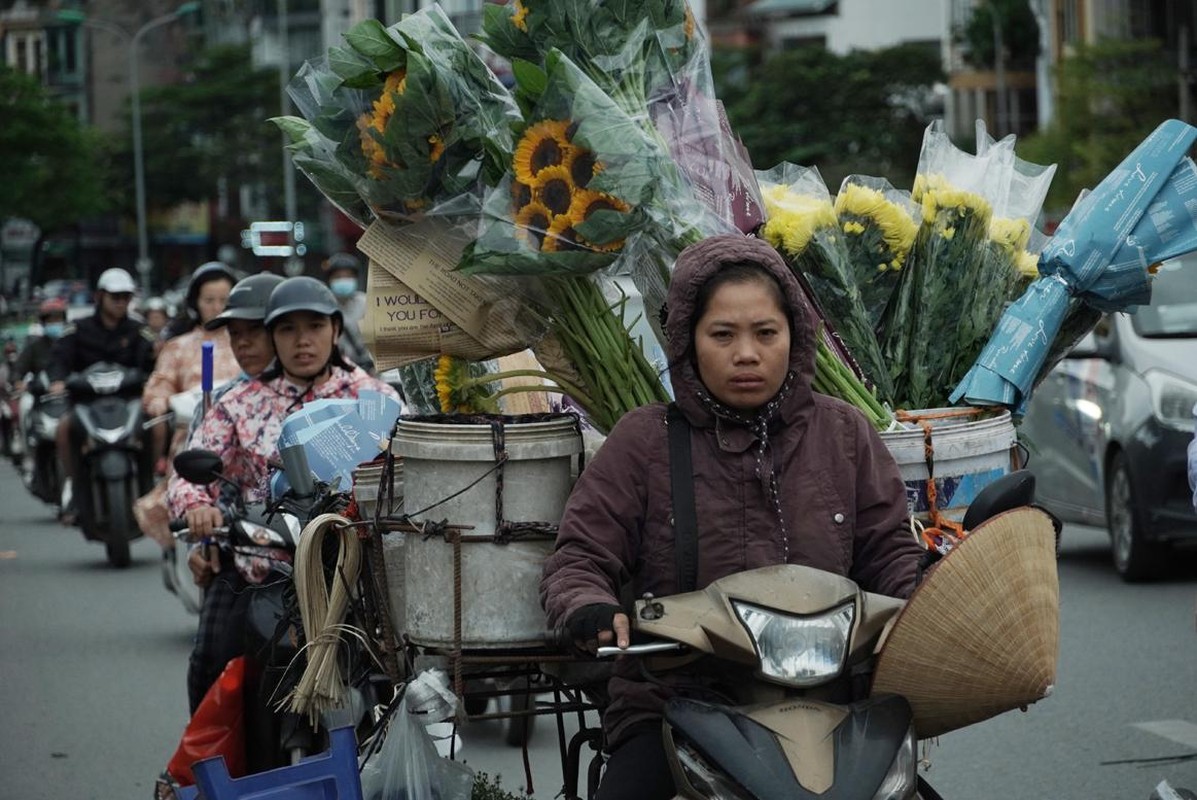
(115, 281)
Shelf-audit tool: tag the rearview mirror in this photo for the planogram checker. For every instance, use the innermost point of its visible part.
(1091, 347)
(199, 466)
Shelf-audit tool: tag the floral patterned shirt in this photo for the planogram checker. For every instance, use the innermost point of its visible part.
(178, 367)
(244, 427)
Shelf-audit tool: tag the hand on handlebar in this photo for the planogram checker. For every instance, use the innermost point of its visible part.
(57, 387)
(204, 563)
(202, 521)
(598, 625)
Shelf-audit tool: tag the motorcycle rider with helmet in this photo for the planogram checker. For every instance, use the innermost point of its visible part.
(304, 322)
(36, 354)
(781, 475)
(110, 335)
(344, 272)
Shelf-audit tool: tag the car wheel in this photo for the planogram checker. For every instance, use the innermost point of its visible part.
(1135, 558)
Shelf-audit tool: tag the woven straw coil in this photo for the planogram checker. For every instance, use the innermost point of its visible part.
(980, 635)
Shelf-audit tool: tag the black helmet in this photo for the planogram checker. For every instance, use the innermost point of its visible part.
(204, 273)
(301, 293)
(343, 261)
(247, 300)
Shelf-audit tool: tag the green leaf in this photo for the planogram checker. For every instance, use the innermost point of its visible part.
(373, 41)
(355, 70)
(530, 78)
(296, 128)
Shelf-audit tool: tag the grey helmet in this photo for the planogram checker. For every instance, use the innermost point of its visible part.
(301, 293)
(204, 273)
(247, 300)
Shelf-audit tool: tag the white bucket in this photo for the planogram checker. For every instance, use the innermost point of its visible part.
(967, 455)
(450, 470)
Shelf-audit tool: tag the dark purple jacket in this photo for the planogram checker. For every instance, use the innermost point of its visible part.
(842, 498)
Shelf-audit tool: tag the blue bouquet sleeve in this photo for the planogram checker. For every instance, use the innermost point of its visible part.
(1141, 213)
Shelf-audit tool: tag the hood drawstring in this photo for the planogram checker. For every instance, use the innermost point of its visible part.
(759, 422)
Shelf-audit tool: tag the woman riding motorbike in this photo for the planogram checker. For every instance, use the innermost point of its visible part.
(781, 475)
(244, 426)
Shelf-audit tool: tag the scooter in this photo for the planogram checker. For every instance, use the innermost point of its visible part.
(263, 542)
(113, 467)
(792, 651)
(42, 410)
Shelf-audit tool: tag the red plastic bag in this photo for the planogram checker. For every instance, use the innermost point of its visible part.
(216, 728)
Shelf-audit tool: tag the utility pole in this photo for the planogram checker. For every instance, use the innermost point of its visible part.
(999, 68)
(292, 265)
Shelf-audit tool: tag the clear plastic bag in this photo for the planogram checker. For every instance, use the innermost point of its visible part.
(408, 767)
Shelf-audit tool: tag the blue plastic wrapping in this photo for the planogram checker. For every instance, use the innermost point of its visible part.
(1141, 213)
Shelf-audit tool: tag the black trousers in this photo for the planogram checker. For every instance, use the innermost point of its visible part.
(221, 633)
(638, 769)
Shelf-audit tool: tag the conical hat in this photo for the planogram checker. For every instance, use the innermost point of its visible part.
(981, 633)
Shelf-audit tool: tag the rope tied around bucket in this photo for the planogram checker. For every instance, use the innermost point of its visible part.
(943, 533)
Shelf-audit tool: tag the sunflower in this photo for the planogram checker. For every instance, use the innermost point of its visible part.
(436, 148)
(373, 125)
(554, 189)
(561, 236)
(688, 26)
(531, 223)
(582, 166)
(586, 202)
(521, 194)
(444, 377)
(544, 144)
(520, 18)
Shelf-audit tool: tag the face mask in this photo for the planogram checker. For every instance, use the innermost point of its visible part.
(343, 287)
(53, 329)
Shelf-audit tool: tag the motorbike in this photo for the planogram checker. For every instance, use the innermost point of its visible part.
(263, 542)
(787, 709)
(113, 462)
(41, 411)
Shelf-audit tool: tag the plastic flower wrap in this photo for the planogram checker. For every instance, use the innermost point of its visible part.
(923, 324)
(801, 224)
(400, 120)
(879, 224)
(1103, 254)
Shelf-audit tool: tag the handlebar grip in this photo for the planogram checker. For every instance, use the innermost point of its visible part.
(647, 648)
(558, 638)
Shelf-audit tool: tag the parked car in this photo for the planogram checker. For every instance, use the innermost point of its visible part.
(1109, 427)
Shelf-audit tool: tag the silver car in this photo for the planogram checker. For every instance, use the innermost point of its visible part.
(1109, 427)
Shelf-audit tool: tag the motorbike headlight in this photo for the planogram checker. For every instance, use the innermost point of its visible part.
(798, 651)
(705, 779)
(106, 382)
(899, 782)
(1172, 399)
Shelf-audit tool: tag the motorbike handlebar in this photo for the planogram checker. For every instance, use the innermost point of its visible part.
(648, 648)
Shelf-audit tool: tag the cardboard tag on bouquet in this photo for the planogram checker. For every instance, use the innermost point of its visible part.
(418, 307)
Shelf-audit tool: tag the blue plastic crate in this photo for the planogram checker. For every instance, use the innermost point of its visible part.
(331, 775)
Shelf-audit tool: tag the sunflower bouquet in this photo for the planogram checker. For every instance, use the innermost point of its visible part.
(401, 120)
(802, 225)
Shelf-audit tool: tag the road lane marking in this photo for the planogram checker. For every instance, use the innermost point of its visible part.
(7, 555)
(1175, 729)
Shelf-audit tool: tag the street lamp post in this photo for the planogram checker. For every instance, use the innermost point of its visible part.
(144, 264)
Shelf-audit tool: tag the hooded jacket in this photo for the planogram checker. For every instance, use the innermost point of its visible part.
(841, 496)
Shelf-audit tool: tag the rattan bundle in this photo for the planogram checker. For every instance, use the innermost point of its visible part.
(980, 635)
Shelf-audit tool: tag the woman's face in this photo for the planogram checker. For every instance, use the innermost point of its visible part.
(213, 296)
(742, 344)
(304, 341)
(251, 345)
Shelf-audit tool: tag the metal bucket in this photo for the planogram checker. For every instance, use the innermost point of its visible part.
(967, 455)
(452, 475)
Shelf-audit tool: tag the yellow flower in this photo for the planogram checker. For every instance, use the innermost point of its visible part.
(562, 234)
(582, 166)
(545, 144)
(436, 148)
(688, 26)
(521, 195)
(794, 218)
(532, 223)
(1012, 234)
(947, 198)
(520, 18)
(1028, 265)
(898, 228)
(444, 382)
(554, 189)
(372, 126)
(854, 228)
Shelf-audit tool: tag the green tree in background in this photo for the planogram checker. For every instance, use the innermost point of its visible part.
(1019, 31)
(1110, 96)
(863, 112)
(54, 166)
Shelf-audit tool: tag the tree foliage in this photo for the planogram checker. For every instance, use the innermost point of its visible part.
(54, 166)
(863, 112)
(1110, 96)
(210, 130)
(1019, 32)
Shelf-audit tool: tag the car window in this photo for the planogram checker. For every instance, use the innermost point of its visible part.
(1173, 309)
